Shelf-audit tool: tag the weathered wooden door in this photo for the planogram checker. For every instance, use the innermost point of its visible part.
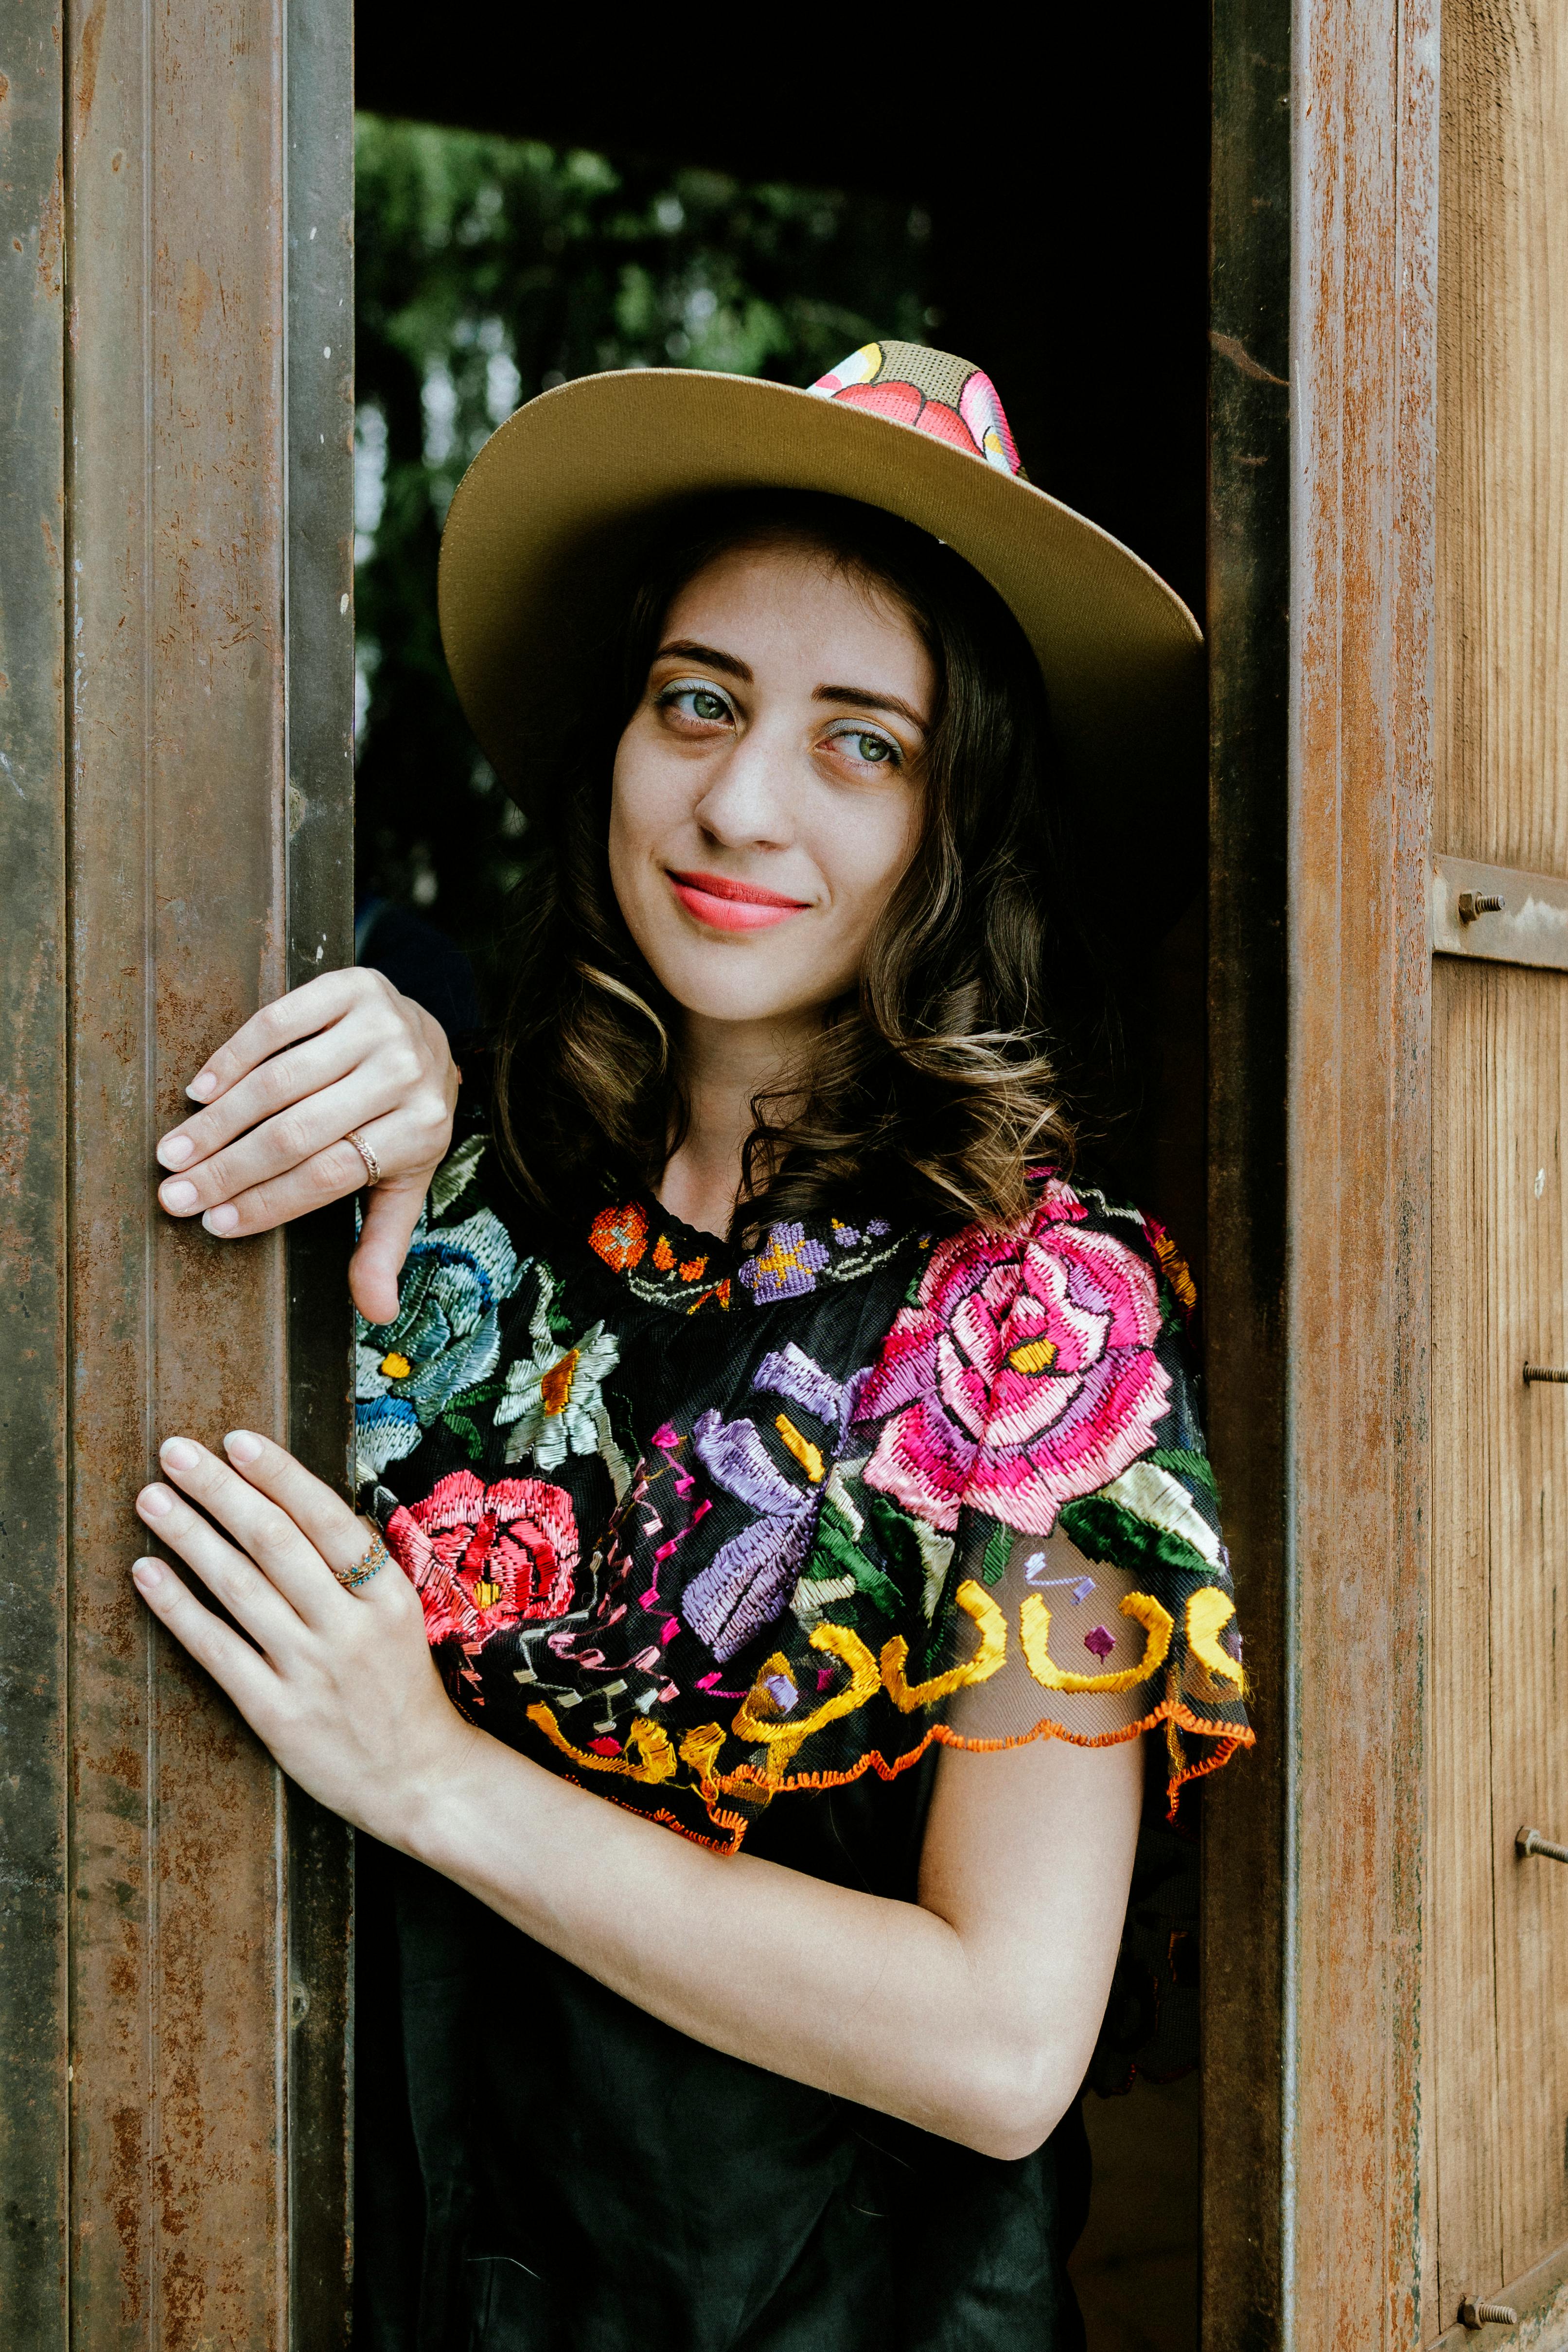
(175, 701)
(1496, 2169)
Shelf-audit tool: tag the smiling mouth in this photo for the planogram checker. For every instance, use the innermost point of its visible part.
(727, 906)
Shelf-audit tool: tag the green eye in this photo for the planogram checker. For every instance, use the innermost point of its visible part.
(708, 706)
(874, 746)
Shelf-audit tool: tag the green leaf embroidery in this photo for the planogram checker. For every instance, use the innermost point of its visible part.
(1102, 1530)
(1194, 1467)
(998, 1551)
(835, 1540)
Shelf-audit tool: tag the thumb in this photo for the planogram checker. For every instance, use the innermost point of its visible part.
(391, 1212)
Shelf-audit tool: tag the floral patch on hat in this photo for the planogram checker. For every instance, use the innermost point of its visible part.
(935, 392)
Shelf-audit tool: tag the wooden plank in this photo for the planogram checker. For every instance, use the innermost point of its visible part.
(210, 676)
(1496, 914)
(1472, 1339)
(1501, 2200)
(1363, 370)
(1244, 1809)
(1503, 515)
(1500, 1605)
(178, 796)
(33, 1901)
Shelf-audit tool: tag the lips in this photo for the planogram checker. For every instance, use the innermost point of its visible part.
(727, 906)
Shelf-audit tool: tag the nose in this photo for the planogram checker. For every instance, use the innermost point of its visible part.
(747, 802)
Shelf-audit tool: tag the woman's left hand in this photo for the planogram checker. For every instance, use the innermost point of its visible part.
(340, 1686)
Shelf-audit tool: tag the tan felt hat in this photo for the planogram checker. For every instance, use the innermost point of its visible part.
(543, 537)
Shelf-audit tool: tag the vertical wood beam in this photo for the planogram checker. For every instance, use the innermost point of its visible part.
(33, 1303)
(1245, 1808)
(1364, 372)
(176, 509)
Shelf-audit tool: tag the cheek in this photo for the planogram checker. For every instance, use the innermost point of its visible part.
(867, 854)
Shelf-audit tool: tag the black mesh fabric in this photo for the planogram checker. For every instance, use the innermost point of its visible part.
(703, 1528)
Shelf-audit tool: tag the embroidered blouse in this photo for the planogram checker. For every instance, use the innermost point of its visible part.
(700, 1529)
(741, 1540)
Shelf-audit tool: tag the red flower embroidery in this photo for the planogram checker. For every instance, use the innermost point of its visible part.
(482, 1558)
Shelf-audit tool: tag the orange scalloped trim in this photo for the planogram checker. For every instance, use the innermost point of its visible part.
(1228, 1738)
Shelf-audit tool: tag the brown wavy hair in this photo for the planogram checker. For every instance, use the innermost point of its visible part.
(948, 1072)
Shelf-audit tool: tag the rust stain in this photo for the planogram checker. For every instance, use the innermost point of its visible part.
(52, 551)
(51, 230)
(86, 62)
(195, 295)
(127, 2129)
(1232, 348)
(5, 89)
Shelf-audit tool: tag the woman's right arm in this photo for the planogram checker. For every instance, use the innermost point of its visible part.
(344, 1054)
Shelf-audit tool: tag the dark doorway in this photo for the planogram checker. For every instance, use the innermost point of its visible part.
(1034, 197)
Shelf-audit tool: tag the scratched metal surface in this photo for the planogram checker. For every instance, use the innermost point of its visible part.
(1364, 361)
(184, 631)
(33, 1773)
(1249, 514)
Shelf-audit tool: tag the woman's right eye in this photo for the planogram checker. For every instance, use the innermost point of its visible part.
(703, 703)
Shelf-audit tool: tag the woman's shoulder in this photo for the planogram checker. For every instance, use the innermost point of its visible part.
(1032, 1370)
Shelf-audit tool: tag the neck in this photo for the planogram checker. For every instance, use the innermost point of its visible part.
(726, 1064)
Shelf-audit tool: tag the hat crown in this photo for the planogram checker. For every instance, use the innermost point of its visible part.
(936, 391)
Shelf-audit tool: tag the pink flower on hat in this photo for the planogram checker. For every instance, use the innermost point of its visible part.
(1023, 1377)
(932, 390)
(482, 1558)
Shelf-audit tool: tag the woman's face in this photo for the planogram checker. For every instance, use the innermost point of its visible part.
(766, 789)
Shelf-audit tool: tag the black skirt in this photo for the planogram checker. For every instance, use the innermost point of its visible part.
(541, 2167)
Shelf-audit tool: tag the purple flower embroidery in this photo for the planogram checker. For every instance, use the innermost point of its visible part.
(747, 1583)
(786, 1268)
(1098, 1640)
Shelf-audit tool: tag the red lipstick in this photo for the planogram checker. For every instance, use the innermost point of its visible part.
(727, 906)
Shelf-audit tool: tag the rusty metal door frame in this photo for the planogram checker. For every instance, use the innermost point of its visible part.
(1322, 536)
(175, 721)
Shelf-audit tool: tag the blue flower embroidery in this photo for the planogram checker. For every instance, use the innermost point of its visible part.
(444, 1339)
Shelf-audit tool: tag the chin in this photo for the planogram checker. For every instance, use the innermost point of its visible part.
(730, 981)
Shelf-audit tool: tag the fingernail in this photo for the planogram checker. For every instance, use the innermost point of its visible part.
(202, 1088)
(147, 1574)
(173, 1151)
(155, 1502)
(223, 1219)
(178, 1195)
(178, 1453)
(241, 1446)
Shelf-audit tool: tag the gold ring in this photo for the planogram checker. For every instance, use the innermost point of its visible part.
(375, 1559)
(373, 1165)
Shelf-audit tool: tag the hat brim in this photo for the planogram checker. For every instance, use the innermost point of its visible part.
(543, 534)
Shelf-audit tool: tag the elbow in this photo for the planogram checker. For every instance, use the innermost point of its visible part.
(1009, 2105)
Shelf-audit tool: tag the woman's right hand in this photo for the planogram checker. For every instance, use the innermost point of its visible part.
(346, 1051)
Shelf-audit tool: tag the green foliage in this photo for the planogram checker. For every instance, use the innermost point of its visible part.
(488, 269)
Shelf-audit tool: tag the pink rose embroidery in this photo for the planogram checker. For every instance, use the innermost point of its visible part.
(1024, 1377)
(482, 1558)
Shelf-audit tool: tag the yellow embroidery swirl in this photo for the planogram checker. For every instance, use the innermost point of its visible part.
(781, 1738)
(1034, 1632)
(1207, 1612)
(658, 1757)
(992, 1627)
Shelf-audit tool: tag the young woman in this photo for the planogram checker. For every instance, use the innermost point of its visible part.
(773, 1434)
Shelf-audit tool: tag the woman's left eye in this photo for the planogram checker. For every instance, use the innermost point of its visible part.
(699, 702)
(872, 750)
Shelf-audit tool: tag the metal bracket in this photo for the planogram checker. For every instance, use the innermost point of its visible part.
(1499, 914)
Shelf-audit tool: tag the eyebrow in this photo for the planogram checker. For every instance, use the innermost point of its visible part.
(865, 700)
(688, 649)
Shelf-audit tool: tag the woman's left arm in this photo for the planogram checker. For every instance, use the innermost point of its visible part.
(971, 2013)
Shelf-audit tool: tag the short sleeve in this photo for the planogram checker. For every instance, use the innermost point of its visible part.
(1037, 1407)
